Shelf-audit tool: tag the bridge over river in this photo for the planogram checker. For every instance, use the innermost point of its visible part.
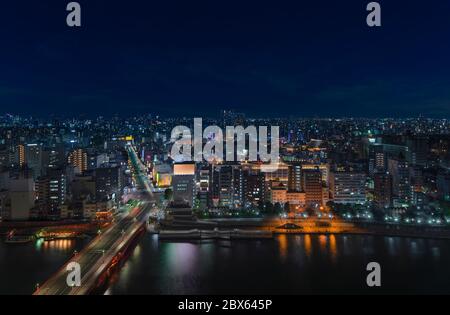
(109, 248)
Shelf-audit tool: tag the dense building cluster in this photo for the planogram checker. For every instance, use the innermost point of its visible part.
(392, 169)
(59, 170)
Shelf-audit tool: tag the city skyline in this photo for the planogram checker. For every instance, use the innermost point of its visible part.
(226, 153)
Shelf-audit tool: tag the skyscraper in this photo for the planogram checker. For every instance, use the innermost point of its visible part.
(203, 187)
(33, 158)
(183, 183)
(348, 187)
(418, 150)
(255, 189)
(51, 193)
(20, 199)
(312, 186)
(401, 185)
(108, 183)
(382, 189)
(79, 159)
(294, 177)
(227, 185)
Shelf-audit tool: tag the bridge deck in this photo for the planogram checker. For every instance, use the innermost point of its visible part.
(98, 255)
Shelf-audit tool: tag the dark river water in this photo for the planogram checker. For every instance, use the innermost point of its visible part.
(295, 264)
(22, 266)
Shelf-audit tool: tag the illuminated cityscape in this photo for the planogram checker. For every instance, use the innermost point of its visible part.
(206, 149)
(64, 180)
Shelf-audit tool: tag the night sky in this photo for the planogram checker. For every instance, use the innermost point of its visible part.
(264, 58)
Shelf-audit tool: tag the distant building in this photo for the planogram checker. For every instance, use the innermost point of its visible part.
(254, 188)
(418, 150)
(401, 185)
(79, 159)
(162, 175)
(348, 187)
(377, 159)
(295, 177)
(33, 159)
(53, 158)
(227, 184)
(4, 180)
(312, 186)
(4, 158)
(383, 189)
(443, 185)
(183, 183)
(279, 194)
(83, 187)
(278, 172)
(21, 155)
(203, 187)
(51, 193)
(108, 183)
(20, 199)
(324, 169)
(87, 209)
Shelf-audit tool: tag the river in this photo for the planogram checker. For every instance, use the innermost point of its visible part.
(294, 264)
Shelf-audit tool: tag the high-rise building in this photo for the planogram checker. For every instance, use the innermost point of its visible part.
(324, 169)
(83, 187)
(401, 185)
(295, 177)
(443, 185)
(183, 183)
(348, 187)
(254, 188)
(4, 158)
(79, 159)
(21, 155)
(4, 180)
(33, 158)
(20, 199)
(382, 189)
(377, 159)
(203, 188)
(51, 193)
(108, 183)
(418, 150)
(226, 186)
(278, 172)
(227, 183)
(312, 186)
(53, 158)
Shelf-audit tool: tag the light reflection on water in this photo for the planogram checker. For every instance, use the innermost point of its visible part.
(333, 247)
(288, 264)
(308, 246)
(180, 257)
(58, 245)
(32, 263)
(282, 240)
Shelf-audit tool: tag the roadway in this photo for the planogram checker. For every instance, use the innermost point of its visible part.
(97, 256)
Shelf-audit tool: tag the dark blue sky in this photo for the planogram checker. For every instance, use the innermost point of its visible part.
(265, 58)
